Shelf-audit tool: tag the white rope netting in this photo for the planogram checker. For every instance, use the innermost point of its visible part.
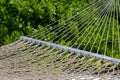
(93, 30)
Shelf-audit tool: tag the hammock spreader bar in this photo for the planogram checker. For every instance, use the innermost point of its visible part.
(69, 49)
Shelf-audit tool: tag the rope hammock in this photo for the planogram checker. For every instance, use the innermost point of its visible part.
(94, 29)
(87, 43)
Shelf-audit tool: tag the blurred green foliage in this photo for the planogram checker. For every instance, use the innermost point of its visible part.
(21, 17)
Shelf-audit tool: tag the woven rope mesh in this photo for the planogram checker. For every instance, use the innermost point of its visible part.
(94, 29)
